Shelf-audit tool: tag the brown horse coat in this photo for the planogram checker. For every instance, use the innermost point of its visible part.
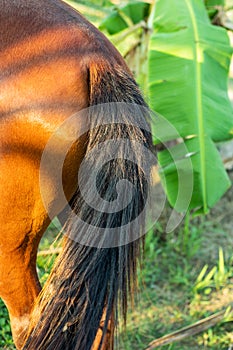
(48, 54)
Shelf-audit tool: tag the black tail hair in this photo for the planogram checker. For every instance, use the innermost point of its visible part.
(90, 280)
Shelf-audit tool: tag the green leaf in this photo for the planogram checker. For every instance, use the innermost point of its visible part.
(125, 16)
(127, 39)
(210, 3)
(188, 70)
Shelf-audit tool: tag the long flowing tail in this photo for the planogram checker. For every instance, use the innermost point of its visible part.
(96, 270)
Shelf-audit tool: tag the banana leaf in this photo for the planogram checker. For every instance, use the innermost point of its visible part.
(188, 70)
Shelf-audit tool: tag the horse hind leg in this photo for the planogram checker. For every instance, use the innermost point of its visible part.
(19, 283)
(108, 340)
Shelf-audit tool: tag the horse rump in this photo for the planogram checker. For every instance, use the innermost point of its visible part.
(96, 272)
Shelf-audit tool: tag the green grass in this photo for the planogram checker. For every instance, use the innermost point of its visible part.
(187, 275)
(181, 285)
(5, 332)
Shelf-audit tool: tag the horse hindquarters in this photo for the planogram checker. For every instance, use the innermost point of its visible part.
(68, 65)
(94, 278)
(23, 216)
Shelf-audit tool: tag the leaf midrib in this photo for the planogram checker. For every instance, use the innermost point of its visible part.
(200, 114)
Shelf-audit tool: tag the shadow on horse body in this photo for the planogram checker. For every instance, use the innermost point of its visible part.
(53, 63)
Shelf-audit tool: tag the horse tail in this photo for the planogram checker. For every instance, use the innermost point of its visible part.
(96, 272)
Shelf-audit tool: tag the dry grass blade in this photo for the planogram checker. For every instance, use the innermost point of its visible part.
(49, 252)
(188, 331)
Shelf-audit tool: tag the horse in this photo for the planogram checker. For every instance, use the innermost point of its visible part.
(55, 64)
